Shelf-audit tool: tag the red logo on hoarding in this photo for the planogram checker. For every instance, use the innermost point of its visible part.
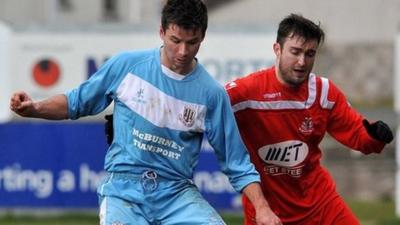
(46, 72)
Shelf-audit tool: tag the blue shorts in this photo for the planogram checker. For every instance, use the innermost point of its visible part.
(127, 199)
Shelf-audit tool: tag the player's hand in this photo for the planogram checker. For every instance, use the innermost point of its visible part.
(108, 128)
(379, 130)
(22, 104)
(266, 216)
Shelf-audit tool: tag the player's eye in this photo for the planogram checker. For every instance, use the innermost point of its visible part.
(295, 51)
(176, 41)
(193, 41)
(310, 54)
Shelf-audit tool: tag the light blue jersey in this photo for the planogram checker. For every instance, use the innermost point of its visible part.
(159, 121)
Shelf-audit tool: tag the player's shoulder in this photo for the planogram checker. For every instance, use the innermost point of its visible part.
(202, 81)
(205, 78)
(329, 92)
(251, 80)
(326, 84)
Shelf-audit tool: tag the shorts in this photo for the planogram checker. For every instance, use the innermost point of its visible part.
(147, 199)
(335, 212)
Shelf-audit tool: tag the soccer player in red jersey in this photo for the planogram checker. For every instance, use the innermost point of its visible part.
(283, 113)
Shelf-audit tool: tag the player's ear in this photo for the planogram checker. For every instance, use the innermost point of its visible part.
(202, 37)
(162, 32)
(277, 48)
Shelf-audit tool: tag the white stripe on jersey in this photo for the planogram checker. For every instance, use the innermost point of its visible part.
(271, 105)
(159, 108)
(325, 103)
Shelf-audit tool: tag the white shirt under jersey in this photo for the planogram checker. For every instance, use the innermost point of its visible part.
(160, 118)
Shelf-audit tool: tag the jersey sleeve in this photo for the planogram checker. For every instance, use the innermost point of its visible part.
(345, 125)
(223, 135)
(236, 90)
(93, 95)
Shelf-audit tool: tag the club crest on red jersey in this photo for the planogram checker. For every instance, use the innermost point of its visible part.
(187, 117)
(307, 126)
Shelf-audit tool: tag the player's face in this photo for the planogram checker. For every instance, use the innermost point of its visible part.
(180, 48)
(295, 59)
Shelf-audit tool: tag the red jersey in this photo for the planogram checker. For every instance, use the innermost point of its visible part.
(282, 128)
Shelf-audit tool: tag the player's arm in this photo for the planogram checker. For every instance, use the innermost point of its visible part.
(53, 108)
(264, 214)
(223, 135)
(351, 129)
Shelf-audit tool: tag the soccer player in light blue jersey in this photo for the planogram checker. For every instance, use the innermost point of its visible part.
(164, 103)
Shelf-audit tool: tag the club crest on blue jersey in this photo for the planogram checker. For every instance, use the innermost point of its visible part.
(139, 96)
(188, 116)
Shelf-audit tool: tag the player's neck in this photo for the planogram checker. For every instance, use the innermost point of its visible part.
(184, 70)
(283, 82)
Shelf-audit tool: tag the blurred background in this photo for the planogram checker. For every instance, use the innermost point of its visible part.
(50, 46)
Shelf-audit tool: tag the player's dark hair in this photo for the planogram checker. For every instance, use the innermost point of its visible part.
(188, 14)
(297, 25)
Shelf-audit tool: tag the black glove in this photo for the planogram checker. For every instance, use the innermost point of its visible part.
(379, 131)
(108, 128)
